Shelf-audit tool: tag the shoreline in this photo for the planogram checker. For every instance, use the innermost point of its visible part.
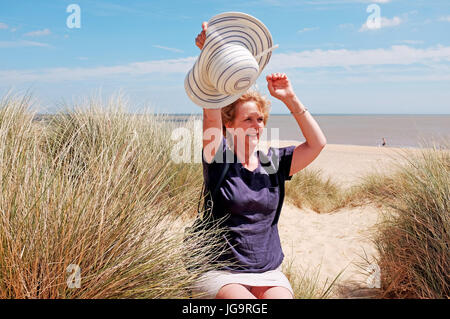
(346, 164)
(287, 142)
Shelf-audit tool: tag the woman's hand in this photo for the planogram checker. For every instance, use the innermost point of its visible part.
(201, 37)
(280, 87)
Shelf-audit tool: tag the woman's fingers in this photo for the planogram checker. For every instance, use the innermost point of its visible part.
(277, 76)
(199, 41)
(270, 86)
(201, 37)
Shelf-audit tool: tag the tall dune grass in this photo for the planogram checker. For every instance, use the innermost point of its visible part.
(306, 283)
(413, 243)
(309, 189)
(414, 240)
(90, 191)
(95, 189)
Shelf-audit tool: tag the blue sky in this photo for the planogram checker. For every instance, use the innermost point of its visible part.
(145, 48)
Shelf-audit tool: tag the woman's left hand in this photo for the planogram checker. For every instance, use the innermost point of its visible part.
(201, 37)
(280, 87)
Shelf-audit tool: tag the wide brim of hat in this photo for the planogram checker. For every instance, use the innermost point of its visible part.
(229, 27)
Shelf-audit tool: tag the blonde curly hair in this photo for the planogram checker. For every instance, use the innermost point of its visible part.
(229, 112)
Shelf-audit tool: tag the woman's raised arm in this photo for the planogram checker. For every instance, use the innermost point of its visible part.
(212, 133)
(212, 118)
(280, 87)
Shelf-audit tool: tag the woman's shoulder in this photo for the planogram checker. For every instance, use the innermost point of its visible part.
(219, 155)
(277, 159)
(285, 150)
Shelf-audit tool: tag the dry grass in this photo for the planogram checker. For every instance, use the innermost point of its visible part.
(93, 188)
(308, 188)
(96, 187)
(306, 283)
(413, 242)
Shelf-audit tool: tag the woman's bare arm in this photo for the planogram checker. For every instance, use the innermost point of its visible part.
(279, 87)
(306, 152)
(212, 119)
(212, 132)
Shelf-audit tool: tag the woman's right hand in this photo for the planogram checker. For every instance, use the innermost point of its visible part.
(201, 37)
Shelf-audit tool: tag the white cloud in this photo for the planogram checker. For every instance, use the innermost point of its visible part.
(3, 26)
(167, 48)
(446, 19)
(76, 74)
(384, 23)
(308, 29)
(38, 33)
(21, 44)
(400, 55)
(397, 54)
(406, 78)
(412, 41)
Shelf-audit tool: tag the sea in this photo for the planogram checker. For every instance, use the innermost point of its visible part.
(402, 131)
(398, 130)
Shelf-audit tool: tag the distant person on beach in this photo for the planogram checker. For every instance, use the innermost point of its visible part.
(384, 142)
(251, 195)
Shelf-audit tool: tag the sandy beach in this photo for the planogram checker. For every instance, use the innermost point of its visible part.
(330, 243)
(345, 164)
(327, 244)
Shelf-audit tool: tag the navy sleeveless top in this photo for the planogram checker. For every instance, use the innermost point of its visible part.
(250, 200)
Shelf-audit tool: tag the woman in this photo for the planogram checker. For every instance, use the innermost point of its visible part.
(250, 194)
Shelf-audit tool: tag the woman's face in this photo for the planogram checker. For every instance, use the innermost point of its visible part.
(248, 124)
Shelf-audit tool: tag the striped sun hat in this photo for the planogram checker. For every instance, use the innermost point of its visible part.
(236, 50)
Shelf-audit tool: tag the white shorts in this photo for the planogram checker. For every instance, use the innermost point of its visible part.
(210, 282)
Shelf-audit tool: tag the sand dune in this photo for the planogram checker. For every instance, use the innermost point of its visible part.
(335, 242)
(345, 164)
(330, 243)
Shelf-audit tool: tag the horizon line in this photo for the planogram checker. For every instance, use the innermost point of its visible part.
(330, 113)
(337, 114)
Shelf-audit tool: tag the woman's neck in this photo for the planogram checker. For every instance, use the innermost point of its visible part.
(246, 154)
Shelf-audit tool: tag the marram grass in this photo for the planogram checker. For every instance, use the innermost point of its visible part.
(414, 241)
(90, 192)
(95, 190)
